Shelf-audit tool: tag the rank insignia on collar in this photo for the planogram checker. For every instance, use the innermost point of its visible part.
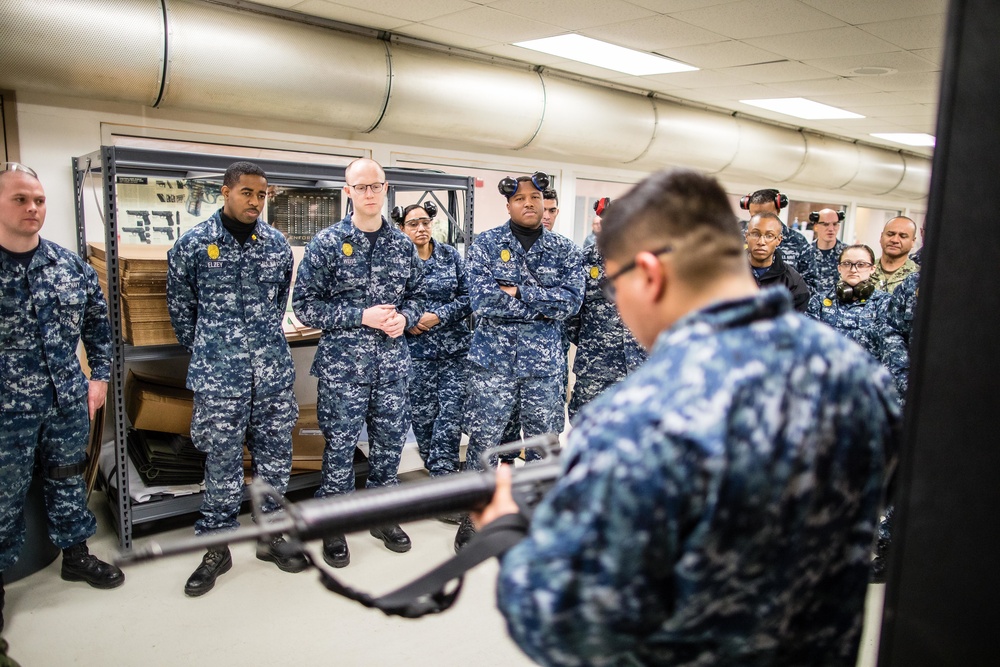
(827, 303)
(594, 272)
(213, 251)
(505, 255)
(347, 248)
(253, 236)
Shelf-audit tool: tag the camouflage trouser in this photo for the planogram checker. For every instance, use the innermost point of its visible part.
(60, 436)
(437, 398)
(219, 427)
(342, 408)
(492, 400)
(587, 389)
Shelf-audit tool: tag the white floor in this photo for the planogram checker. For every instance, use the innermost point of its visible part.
(258, 615)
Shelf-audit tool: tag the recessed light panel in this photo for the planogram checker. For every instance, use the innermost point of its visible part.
(907, 138)
(802, 108)
(601, 54)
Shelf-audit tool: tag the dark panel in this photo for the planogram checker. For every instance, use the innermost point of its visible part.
(942, 602)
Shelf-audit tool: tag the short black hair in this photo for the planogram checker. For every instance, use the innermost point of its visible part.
(237, 169)
(765, 196)
(683, 208)
(549, 193)
(857, 246)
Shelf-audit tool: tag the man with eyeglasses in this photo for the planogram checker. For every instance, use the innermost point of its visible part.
(362, 283)
(228, 280)
(524, 283)
(718, 505)
(794, 247)
(50, 300)
(818, 267)
(895, 264)
(768, 267)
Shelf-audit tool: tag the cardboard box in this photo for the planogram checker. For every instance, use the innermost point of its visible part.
(158, 404)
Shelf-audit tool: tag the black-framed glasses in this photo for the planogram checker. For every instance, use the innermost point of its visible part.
(419, 222)
(770, 237)
(855, 265)
(361, 188)
(17, 166)
(607, 284)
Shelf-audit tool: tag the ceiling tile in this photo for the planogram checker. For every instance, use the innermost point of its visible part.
(731, 94)
(452, 38)
(668, 6)
(892, 110)
(788, 70)
(653, 34)
(904, 81)
(920, 32)
(901, 61)
(281, 4)
(861, 99)
(868, 11)
(730, 53)
(406, 9)
(844, 41)
(831, 86)
(574, 14)
(927, 95)
(758, 18)
(936, 56)
(495, 25)
(704, 78)
(335, 12)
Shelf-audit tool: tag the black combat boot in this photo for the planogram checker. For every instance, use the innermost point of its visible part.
(335, 551)
(466, 531)
(215, 562)
(79, 565)
(282, 554)
(392, 537)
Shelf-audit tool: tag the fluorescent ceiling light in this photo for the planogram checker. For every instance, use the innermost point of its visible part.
(802, 108)
(595, 52)
(907, 138)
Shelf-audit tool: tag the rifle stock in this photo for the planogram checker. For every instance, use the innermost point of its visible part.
(352, 512)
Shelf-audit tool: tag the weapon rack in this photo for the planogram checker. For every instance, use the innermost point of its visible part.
(111, 162)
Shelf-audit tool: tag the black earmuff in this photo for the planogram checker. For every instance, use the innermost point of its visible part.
(508, 185)
(601, 205)
(431, 208)
(398, 213)
(860, 292)
(814, 216)
(780, 200)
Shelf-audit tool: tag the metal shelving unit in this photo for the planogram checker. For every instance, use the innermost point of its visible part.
(112, 162)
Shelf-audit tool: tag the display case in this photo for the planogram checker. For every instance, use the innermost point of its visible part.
(150, 197)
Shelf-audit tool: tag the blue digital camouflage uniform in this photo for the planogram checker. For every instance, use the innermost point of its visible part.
(917, 255)
(517, 356)
(717, 507)
(44, 312)
(819, 267)
(866, 323)
(903, 307)
(437, 381)
(606, 351)
(363, 373)
(226, 303)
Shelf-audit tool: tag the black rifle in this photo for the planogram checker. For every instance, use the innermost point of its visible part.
(412, 501)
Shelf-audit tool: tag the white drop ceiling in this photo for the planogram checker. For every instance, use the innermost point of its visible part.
(823, 50)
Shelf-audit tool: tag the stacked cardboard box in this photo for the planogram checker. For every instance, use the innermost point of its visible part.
(143, 270)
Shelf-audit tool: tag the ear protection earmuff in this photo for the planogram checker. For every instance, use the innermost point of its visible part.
(780, 200)
(398, 213)
(508, 185)
(814, 216)
(601, 205)
(860, 292)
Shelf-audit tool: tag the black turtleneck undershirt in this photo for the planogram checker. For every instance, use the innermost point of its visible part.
(22, 258)
(526, 235)
(240, 231)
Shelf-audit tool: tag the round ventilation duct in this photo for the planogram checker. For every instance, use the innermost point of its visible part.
(829, 163)
(108, 49)
(693, 138)
(879, 173)
(767, 154)
(222, 59)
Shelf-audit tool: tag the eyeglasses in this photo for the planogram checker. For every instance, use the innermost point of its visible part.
(419, 222)
(855, 265)
(17, 166)
(374, 187)
(770, 237)
(607, 284)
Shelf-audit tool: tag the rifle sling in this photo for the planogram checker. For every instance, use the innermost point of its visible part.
(427, 594)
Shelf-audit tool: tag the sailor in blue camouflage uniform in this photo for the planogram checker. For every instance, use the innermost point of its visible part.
(51, 300)
(525, 282)
(717, 506)
(227, 289)
(818, 267)
(859, 311)
(794, 248)
(361, 282)
(438, 343)
(606, 351)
